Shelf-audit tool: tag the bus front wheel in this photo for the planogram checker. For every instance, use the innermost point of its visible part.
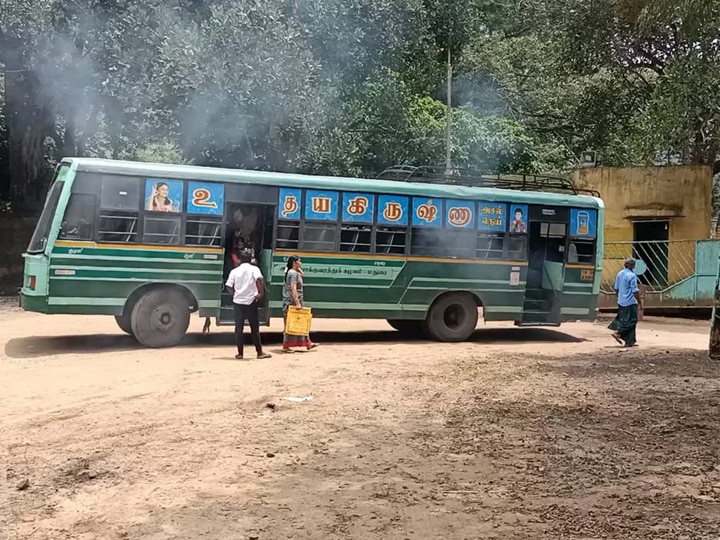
(124, 322)
(452, 317)
(160, 318)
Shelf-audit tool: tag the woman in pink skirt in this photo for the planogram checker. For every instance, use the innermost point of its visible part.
(293, 296)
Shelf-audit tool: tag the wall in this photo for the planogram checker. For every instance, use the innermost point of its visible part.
(15, 233)
(681, 194)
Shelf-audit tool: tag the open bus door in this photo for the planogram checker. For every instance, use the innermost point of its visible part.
(256, 222)
(547, 246)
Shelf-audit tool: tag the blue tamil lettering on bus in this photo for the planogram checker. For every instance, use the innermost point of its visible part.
(492, 216)
(289, 201)
(518, 218)
(321, 205)
(206, 198)
(358, 207)
(459, 214)
(392, 210)
(583, 222)
(426, 212)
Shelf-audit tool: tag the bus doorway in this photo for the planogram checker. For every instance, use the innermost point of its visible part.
(247, 226)
(546, 272)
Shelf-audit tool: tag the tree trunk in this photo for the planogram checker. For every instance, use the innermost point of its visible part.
(27, 117)
(27, 167)
(705, 146)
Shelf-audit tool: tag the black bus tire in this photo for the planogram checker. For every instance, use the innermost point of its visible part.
(408, 327)
(452, 318)
(124, 322)
(160, 318)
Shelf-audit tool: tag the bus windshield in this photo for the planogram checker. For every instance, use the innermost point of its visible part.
(39, 239)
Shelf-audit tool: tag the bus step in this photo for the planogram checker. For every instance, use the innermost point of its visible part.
(536, 323)
(532, 293)
(536, 305)
(534, 316)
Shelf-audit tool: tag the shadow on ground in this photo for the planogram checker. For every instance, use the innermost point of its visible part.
(36, 347)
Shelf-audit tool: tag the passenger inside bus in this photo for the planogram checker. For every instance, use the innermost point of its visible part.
(243, 234)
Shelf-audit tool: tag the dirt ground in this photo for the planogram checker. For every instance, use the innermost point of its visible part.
(522, 433)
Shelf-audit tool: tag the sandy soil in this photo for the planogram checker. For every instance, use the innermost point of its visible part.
(523, 433)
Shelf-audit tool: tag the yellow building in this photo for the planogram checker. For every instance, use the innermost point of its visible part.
(655, 214)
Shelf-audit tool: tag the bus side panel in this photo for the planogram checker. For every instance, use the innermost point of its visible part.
(499, 285)
(340, 286)
(578, 302)
(99, 280)
(395, 288)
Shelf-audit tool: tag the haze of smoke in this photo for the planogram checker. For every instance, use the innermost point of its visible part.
(236, 83)
(223, 83)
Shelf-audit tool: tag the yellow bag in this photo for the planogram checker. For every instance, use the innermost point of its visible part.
(298, 321)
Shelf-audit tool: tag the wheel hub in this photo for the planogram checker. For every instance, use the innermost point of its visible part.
(163, 318)
(454, 316)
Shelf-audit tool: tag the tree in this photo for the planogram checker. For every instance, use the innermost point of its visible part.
(24, 27)
(664, 52)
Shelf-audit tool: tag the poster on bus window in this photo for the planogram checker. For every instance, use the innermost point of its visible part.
(583, 222)
(518, 218)
(358, 208)
(163, 195)
(459, 214)
(289, 203)
(392, 210)
(206, 198)
(321, 205)
(492, 216)
(426, 212)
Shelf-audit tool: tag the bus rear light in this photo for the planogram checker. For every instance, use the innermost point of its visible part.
(31, 283)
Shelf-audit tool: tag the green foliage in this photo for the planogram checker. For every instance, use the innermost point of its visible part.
(663, 58)
(350, 87)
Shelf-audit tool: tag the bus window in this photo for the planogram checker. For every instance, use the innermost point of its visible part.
(161, 229)
(489, 245)
(119, 192)
(288, 234)
(39, 239)
(556, 230)
(116, 226)
(585, 251)
(390, 240)
(203, 231)
(119, 209)
(459, 244)
(517, 247)
(572, 255)
(79, 218)
(319, 237)
(426, 242)
(355, 238)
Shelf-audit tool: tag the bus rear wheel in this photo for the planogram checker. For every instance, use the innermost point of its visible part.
(452, 317)
(124, 322)
(160, 318)
(408, 327)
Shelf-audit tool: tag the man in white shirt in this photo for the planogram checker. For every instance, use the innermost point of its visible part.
(245, 283)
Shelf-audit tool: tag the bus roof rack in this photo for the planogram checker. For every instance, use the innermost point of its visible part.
(463, 177)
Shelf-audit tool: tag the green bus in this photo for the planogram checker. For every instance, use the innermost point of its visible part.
(151, 243)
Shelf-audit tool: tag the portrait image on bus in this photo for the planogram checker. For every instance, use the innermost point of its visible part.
(160, 197)
(518, 223)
